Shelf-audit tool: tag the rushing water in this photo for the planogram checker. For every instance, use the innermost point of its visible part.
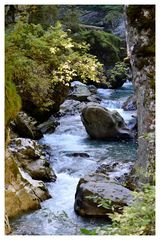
(57, 216)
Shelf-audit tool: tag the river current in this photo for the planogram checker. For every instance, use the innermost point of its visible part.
(57, 216)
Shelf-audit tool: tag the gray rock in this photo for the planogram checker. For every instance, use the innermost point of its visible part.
(92, 89)
(71, 107)
(49, 126)
(77, 83)
(26, 126)
(94, 98)
(100, 123)
(19, 193)
(141, 49)
(93, 188)
(79, 91)
(32, 159)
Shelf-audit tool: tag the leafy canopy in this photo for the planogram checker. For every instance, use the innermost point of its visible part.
(42, 59)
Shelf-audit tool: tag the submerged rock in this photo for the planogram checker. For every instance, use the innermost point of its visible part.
(78, 154)
(32, 159)
(26, 126)
(92, 189)
(101, 123)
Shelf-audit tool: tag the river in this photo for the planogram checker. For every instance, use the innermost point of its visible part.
(57, 216)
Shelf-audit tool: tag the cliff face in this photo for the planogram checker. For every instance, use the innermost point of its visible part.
(140, 24)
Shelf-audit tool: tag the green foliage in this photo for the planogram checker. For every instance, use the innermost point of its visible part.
(117, 75)
(137, 219)
(42, 59)
(88, 232)
(112, 18)
(103, 8)
(12, 99)
(45, 15)
(105, 46)
(12, 102)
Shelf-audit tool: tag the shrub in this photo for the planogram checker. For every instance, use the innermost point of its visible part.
(12, 102)
(42, 60)
(117, 75)
(137, 219)
(105, 46)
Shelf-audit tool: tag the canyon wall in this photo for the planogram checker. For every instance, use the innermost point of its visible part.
(140, 28)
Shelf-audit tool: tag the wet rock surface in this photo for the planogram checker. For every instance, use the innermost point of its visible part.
(71, 107)
(100, 186)
(75, 156)
(79, 91)
(32, 158)
(18, 191)
(49, 126)
(101, 123)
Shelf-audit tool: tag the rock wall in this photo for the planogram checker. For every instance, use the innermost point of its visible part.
(25, 168)
(17, 190)
(140, 26)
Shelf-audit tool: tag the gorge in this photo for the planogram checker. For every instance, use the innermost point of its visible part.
(71, 148)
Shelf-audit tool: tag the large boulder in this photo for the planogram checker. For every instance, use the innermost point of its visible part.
(95, 188)
(19, 194)
(25, 126)
(101, 123)
(32, 158)
(79, 91)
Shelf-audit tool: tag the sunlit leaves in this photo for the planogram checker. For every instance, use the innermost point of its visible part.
(42, 59)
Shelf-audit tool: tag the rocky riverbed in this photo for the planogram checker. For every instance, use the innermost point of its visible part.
(79, 160)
